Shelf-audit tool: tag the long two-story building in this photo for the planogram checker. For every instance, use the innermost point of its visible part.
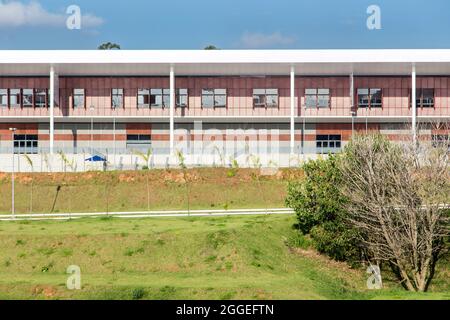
(292, 101)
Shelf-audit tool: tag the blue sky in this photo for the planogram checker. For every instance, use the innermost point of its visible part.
(228, 24)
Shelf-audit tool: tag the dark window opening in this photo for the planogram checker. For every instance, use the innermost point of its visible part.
(424, 98)
(25, 143)
(328, 143)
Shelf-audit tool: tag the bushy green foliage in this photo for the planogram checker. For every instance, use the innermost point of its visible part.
(316, 198)
(137, 293)
(336, 240)
(319, 206)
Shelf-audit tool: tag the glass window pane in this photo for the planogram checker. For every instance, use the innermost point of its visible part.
(14, 97)
(428, 97)
(259, 100)
(376, 97)
(259, 91)
(27, 95)
(207, 101)
(311, 91)
(272, 91)
(323, 101)
(207, 91)
(166, 100)
(220, 101)
(363, 91)
(3, 97)
(220, 91)
(311, 101)
(272, 100)
(182, 100)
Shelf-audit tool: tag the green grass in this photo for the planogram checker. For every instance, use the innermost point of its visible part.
(179, 258)
(127, 190)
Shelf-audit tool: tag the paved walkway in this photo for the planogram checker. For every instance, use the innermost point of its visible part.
(146, 214)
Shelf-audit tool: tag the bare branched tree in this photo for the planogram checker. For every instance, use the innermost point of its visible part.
(398, 198)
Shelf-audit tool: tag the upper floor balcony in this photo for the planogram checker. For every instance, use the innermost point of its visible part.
(226, 96)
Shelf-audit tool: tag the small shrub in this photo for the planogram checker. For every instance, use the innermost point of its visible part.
(130, 252)
(137, 293)
(211, 258)
(298, 240)
(20, 242)
(66, 252)
(7, 262)
(47, 267)
(231, 173)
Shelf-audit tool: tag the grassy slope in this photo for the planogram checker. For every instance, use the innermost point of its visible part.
(208, 188)
(198, 258)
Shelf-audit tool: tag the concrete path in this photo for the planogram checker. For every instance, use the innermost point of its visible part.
(146, 214)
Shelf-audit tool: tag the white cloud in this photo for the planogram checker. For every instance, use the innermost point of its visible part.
(261, 40)
(17, 14)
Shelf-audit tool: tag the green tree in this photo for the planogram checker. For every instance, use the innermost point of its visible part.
(319, 205)
(108, 46)
(211, 47)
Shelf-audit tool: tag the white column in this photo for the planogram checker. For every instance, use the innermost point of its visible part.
(172, 109)
(352, 101)
(52, 106)
(413, 102)
(352, 92)
(292, 145)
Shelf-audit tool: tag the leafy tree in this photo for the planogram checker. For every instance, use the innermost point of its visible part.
(108, 46)
(211, 47)
(319, 205)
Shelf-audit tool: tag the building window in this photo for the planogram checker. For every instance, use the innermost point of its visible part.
(370, 98)
(139, 141)
(78, 98)
(156, 97)
(166, 98)
(328, 143)
(40, 98)
(425, 98)
(214, 98)
(317, 98)
(27, 97)
(143, 98)
(3, 97)
(181, 98)
(26, 143)
(116, 98)
(267, 98)
(14, 97)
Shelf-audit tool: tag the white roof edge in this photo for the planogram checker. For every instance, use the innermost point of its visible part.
(224, 56)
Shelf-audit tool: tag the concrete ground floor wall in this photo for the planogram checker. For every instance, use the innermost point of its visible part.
(126, 144)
